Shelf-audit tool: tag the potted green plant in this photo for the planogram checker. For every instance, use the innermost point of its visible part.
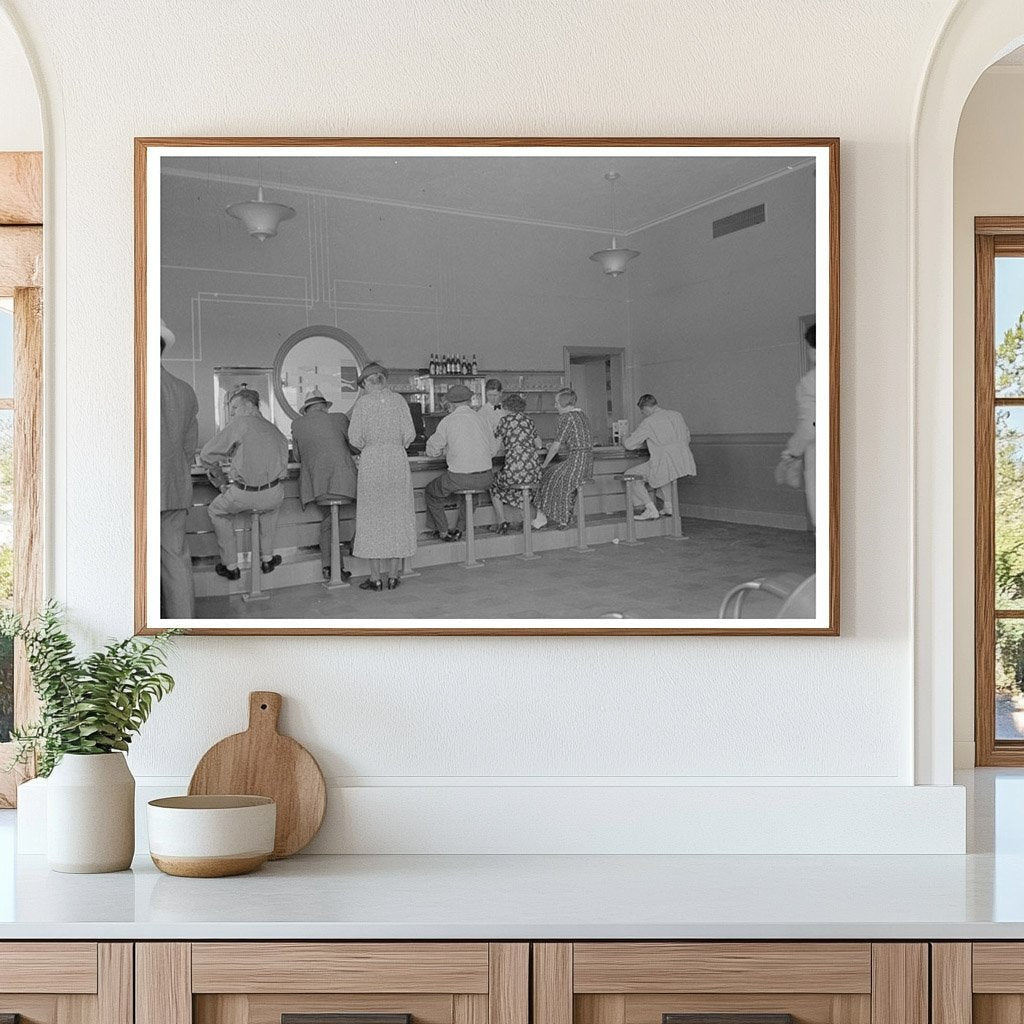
(90, 707)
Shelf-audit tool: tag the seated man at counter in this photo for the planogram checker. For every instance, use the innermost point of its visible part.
(468, 443)
(668, 443)
(327, 471)
(259, 460)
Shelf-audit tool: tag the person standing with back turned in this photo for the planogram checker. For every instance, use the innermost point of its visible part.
(179, 438)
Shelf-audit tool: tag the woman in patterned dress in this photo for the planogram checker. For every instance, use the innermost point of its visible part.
(382, 428)
(557, 492)
(518, 435)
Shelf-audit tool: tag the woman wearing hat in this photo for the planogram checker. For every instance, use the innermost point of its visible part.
(382, 429)
(327, 471)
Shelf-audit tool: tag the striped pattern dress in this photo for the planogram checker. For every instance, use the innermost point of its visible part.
(556, 495)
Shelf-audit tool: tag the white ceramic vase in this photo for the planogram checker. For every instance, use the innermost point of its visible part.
(90, 814)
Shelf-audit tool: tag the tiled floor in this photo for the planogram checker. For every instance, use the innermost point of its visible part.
(661, 578)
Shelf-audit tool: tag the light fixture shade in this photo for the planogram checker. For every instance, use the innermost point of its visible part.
(261, 219)
(613, 261)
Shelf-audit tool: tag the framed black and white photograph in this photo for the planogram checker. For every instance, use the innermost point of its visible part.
(499, 386)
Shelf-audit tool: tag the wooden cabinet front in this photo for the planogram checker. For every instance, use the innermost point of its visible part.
(730, 983)
(66, 983)
(333, 983)
(978, 983)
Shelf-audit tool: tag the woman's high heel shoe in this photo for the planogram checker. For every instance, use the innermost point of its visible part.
(369, 584)
(393, 582)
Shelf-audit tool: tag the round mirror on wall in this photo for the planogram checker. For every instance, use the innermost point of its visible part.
(318, 358)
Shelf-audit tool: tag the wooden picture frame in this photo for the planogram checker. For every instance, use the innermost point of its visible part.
(207, 160)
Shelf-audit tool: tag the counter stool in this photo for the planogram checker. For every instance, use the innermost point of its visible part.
(581, 523)
(471, 562)
(627, 479)
(335, 582)
(255, 582)
(527, 554)
(677, 522)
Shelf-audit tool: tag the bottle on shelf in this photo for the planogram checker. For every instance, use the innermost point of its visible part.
(473, 367)
(433, 364)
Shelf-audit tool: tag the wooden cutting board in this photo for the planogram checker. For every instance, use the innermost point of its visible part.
(262, 762)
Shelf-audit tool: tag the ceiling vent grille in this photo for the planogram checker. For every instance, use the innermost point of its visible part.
(737, 221)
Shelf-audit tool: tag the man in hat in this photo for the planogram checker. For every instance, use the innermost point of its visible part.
(327, 471)
(468, 443)
(258, 454)
(179, 438)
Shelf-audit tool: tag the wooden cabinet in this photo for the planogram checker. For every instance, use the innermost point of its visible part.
(494, 983)
(977, 983)
(753, 982)
(309, 982)
(66, 982)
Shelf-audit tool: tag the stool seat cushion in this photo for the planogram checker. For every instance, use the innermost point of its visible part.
(472, 490)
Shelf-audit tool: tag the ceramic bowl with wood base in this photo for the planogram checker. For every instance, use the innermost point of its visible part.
(211, 836)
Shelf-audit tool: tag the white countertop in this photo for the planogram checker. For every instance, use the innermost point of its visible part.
(542, 897)
(977, 896)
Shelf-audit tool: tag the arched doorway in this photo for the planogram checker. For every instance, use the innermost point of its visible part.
(977, 33)
(21, 407)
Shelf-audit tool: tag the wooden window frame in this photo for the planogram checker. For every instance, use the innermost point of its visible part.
(21, 277)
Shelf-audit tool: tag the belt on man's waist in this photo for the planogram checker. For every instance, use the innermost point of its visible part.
(262, 487)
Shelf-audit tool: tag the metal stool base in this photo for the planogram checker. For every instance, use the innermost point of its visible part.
(528, 554)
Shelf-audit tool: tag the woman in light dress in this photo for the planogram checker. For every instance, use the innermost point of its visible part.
(381, 428)
(556, 495)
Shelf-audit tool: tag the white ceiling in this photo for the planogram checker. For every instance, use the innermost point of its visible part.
(567, 191)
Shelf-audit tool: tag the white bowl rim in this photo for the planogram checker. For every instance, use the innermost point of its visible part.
(212, 802)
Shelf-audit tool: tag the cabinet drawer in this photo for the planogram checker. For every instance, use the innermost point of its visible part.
(634, 967)
(340, 967)
(66, 982)
(730, 983)
(66, 967)
(332, 983)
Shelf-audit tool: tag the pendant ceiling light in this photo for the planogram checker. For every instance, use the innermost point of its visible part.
(613, 261)
(261, 219)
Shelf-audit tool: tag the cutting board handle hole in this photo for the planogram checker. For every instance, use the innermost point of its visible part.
(263, 707)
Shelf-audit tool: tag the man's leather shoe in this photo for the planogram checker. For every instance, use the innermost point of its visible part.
(229, 574)
(271, 564)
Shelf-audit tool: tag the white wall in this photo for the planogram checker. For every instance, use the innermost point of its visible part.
(715, 322)
(403, 282)
(448, 714)
(987, 181)
(21, 127)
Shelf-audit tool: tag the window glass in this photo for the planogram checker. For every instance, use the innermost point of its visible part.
(1009, 679)
(1009, 327)
(1009, 511)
